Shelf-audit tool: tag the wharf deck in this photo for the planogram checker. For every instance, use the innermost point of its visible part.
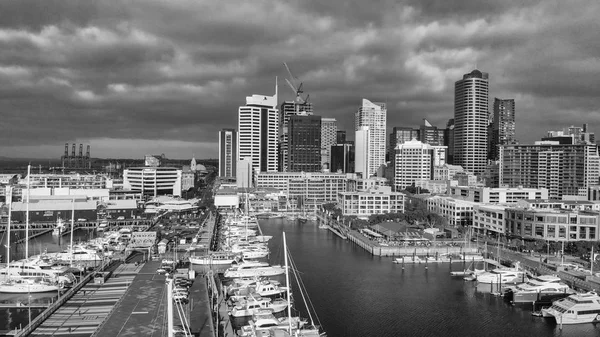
(83, 313)
(143, 309)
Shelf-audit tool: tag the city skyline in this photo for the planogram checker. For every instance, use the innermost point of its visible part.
(165, 77)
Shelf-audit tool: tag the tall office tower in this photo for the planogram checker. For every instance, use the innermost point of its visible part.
(340, 137)
(373, 115)
(361, 151)
(503, 126)
(413, 161)
(304, 144)
(258, 130)
(430, 134)
(342, 158)
(288, 109)
(564, 169)
(449, 140)
(328, 138)
(227, 153)
(471, 121)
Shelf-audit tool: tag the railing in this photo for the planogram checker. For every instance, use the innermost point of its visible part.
(109, 313)
(35, 323)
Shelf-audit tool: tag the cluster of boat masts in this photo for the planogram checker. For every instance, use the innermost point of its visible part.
(250, 293)
(52, 272)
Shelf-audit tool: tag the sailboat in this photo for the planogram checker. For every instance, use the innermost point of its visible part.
(306, 330)
(28, 285)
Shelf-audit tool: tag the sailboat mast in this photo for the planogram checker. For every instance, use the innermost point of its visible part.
(287, 283)
(9, 200)
(591, 259)
(72, 228)
(27, 213)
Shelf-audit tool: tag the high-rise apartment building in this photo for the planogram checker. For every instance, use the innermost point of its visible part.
(227, 153)
(328, 139)
(430, 134)
(258, 131)
(373, 116)
(304, 143)
(471, 120)
(288, 109)
(413, 161)
(361, 151)
(503, 126)
(563, 169)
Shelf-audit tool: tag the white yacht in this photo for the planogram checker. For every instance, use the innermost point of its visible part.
(539, 288)
(220, 258)
(264, 321)
(78, 253)
(251, 306)
(575, 309)
(250, 271)
(244, 283)
(20, 270)
(59, 228)
(262, 288)
(25, 286)
(255, 253)
(503, 276)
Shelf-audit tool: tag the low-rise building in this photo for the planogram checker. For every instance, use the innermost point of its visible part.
(153, 181)
(489, 219)
(552, 224)
(376, 200)
(458, 212)
(435, 186)
(497, 195)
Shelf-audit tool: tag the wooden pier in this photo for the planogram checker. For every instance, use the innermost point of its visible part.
(46, 226)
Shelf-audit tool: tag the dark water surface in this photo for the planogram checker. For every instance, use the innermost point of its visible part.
(356, 294)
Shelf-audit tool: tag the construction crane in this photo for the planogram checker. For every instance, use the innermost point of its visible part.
(297, 89)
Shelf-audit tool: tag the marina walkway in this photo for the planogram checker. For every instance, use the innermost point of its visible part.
(83, 313)
(142, 311)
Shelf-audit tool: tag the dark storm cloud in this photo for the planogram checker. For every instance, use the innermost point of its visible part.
(169, 74)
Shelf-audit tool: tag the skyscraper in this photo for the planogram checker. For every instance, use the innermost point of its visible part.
(328, 139)
(471, 121)
(258, 130)
(342, 158)
(289, 108)
(227, 153)
(304, 144)
(503, 125)
(373, 116)
(340, 137)
(361, 151)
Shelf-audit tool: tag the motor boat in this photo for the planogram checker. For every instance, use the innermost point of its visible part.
(503, 275)
(575, 309)
(221, 258)
(264, 321)
(253, 305)
(250, 271)
(59, 228)
(264, 288)
(26, 286)
(543, 288)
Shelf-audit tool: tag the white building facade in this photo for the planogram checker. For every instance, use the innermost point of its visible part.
(258, 130)
(153, 181)
(374, 116)
(376, 200)
(497, 195)
(458, 212)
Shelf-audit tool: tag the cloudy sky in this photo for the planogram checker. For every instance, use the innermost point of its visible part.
(135, 77)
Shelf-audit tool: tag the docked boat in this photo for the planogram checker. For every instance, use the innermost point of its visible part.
(264, 321)
(503, 276)
(25, 286)
(251, 271)
(409, 259)
(78, 253)
(254, 305)
(59, 228)
(264, 288)
(543, 288)
(217, 258)
(575, 309)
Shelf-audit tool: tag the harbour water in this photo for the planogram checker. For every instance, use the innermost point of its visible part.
(356, 294)
(11, 318)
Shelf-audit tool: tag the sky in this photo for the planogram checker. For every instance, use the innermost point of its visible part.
(137, 77)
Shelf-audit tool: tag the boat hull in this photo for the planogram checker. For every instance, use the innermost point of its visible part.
(271, 271)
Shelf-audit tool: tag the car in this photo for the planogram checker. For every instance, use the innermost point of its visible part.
(161, 271)
(182, 300)
(181, 293)
(180, 297)
(168, 261)
(178, 328)
(184, 282)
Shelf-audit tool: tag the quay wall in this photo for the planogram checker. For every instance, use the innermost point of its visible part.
(378, 250)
